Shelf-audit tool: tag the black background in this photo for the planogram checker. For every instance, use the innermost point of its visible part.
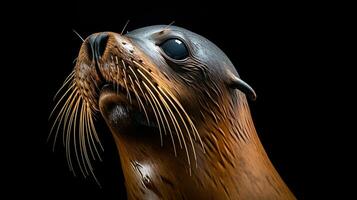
(276, 48)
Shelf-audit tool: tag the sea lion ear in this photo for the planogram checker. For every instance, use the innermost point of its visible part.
(239, 84)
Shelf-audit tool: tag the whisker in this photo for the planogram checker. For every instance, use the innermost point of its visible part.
(95, 83)
(178, 111)
(169, 25)
(173, 118)
(60, 116)
(55, 108)
(73, 122)
(67, 135)
(83, 146)
(125, 83)
(126, 24)
(157, 104)
(83, 139)
(193, 127)
(60, 100)
(80, 138)
(80, 37)
(180, 131)
(118, 77)
(86, 130)
(176, 126)
(184, 123)
(96, 134)
(68, 112)
(65, 82)
(137, 82)
(74, 116)
(141, 105)
(159, 114)
(91, 133)
(156, 117)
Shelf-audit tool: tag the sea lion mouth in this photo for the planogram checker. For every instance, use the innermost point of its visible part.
(119, 99)
(121, 112)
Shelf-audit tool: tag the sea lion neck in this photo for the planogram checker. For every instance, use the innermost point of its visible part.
(241, 168)
(234, 164)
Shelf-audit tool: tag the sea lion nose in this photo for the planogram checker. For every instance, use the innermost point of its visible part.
(97, 44)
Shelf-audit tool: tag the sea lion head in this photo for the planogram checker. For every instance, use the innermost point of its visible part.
(155, 87)
(160, 60)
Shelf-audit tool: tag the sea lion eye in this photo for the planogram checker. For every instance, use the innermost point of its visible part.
(175, 49)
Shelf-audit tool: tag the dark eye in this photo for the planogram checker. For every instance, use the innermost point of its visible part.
(175, 49)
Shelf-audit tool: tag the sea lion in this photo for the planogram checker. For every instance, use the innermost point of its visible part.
(178, 112)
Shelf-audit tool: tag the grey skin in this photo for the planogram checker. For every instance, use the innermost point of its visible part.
(137, 88)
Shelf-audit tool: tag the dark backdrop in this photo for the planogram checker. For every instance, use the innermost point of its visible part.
(273, 46)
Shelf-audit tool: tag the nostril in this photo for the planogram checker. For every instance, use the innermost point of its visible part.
(101, 40)
(90, 47)
(97, 45)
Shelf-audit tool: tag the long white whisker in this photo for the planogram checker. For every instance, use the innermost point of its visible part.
(80, 37)
(65, 82)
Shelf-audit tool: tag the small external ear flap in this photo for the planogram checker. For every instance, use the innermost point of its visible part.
(239, 84)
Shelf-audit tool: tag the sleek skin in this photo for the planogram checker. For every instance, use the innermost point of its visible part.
(178, 112)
